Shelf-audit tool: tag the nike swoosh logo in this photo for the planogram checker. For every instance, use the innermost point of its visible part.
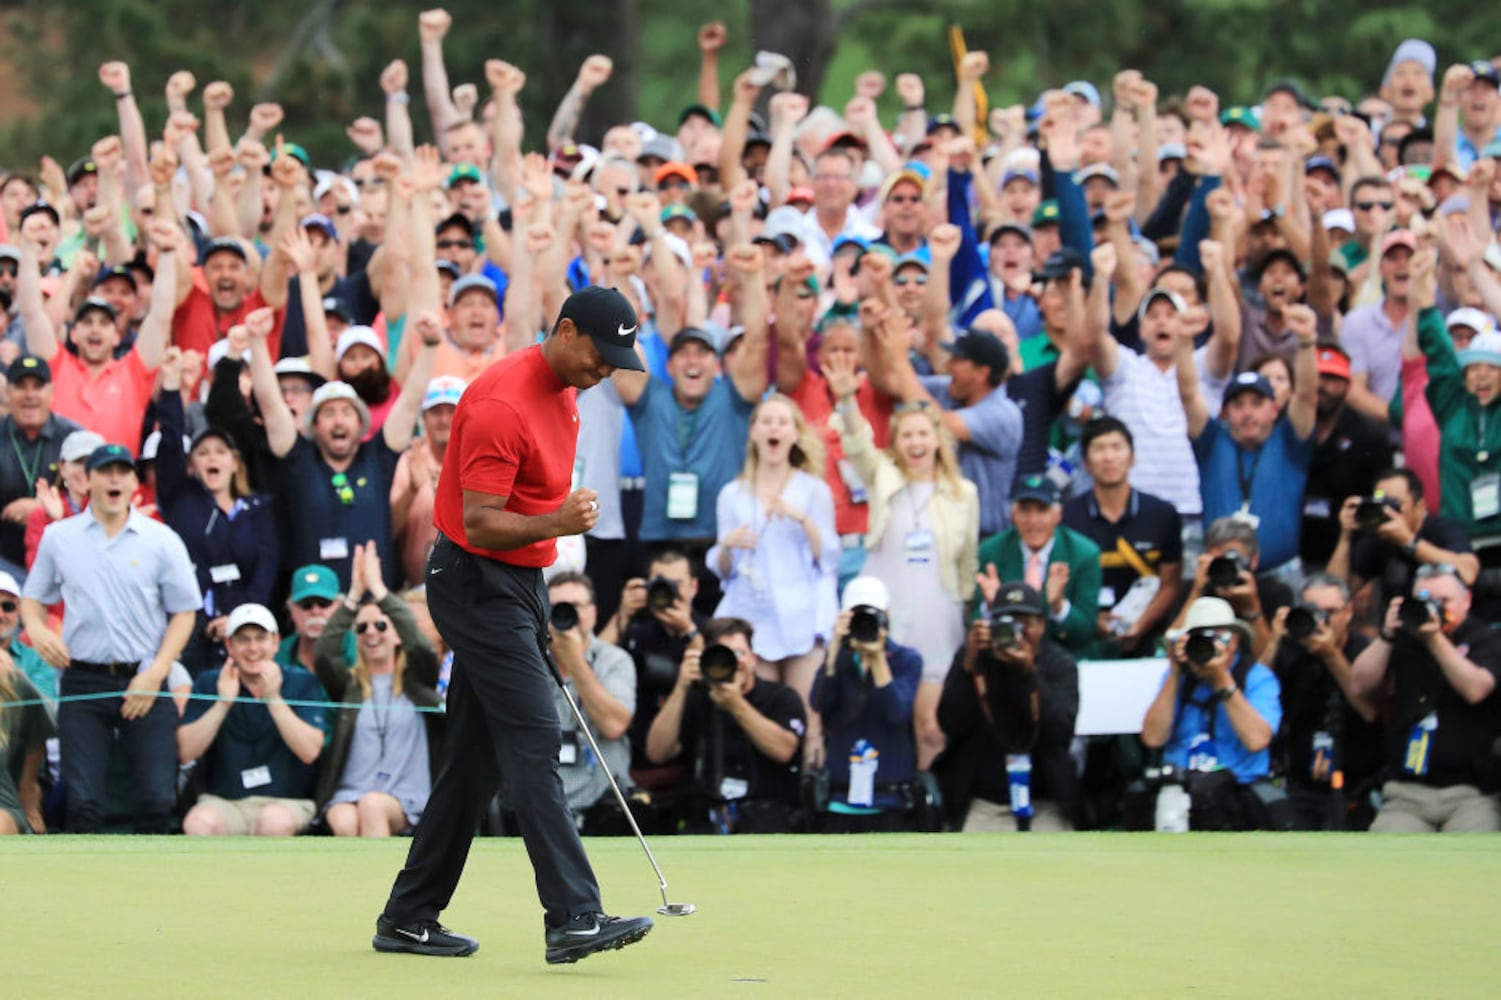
(419, 938)
(623, 332)
(589, 933)
(436, 570)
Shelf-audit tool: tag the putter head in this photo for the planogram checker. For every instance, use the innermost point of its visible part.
(676, 909)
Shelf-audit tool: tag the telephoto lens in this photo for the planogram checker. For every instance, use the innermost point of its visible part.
(1370, 513)
(866, 624)
(1005, 632)
(1224, 570)
(718, 664)
(661, 593)
(1303, 620)
(1417, 611)
(564, 616)
(1201, 647)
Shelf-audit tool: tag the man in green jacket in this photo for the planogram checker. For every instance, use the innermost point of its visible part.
(1058, 562)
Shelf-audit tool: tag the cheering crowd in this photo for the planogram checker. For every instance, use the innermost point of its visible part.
(934, 409)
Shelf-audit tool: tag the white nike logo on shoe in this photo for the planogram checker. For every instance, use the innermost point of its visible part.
(419, 938)
(591, 932)
(621, 330)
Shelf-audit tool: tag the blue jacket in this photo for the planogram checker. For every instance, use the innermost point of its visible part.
(246, 539)
(969, 284)
(1195, 227)
(854, 709)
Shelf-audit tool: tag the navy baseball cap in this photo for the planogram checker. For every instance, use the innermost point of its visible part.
(1016, 598)
(1038, 488)
(1060, 264)
(982, 348)
(1248, 382)
(117, 271)
(223, 244)
(93, 304)
(109, 454)
(607, 318)
(28, 366)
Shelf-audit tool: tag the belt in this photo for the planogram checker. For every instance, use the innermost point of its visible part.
(119, 669)
(852, 541)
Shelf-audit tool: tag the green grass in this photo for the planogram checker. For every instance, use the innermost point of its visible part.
(1081, 915)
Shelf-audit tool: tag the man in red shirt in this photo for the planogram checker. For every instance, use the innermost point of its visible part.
(91, 387)
(206, 312)
(503, 501)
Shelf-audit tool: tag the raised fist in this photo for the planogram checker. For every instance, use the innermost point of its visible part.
(115, 76)
(711, 37)
(595, 71)
(217, 95)
(393, 79)
(433, 25)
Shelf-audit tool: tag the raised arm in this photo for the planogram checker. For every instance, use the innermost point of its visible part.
(402, 418)
(792, 333)
(1194, 407)
(748, 370)
(156, 328)
(286, 174)
(1302, 409)
(861, 116)
(252, 157)
(711, 38)
(1457, 80)
(281, 426)
(41, 335)
(116, 78)
(108, 154)
(736, 128)
(1129, 287)
(592, 74)
(505, 82)
(1105, 352)
(1224, 309)
(393, 83)
(432, 27)
(787, 109)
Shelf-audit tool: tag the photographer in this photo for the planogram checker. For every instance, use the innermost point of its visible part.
(865, 694)
(1440, 666)
(655, 624)
(1008, 717)
(1385, 537)
(1214, 718)
(1327, 730)
(743, 735)
(1227, 570)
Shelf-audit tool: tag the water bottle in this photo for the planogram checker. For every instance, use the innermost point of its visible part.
(1172, 803)
(1019, 777)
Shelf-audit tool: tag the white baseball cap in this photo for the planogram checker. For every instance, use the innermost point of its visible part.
(330, 391)
(251, 614)
(80, 445)
(8, 584)
(359, 335)
(1471, 317)
(866, 591)
(1339, 218)
(445, 389)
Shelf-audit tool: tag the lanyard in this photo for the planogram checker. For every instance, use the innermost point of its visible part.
(1482, 453)
(1247, 480)
(30, 473)
(687, 424)
(381, 720)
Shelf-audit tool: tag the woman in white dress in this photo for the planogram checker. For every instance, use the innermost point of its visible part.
(778, 551)
(923, 536)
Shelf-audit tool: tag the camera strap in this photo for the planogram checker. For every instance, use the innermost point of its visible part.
(1246, 479)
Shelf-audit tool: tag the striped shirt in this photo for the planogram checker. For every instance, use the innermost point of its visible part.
(1146, 398)
(119, 591)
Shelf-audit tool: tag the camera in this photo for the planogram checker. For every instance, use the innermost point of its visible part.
(866, 624)
(564, 616)
(1202, 646)
(661, 593)
(1370, 513)
(1225, 570)
(1417, 611)
(718, 664)
(1005, 632)
(1303, 620)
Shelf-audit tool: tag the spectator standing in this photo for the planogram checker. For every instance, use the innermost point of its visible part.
(35, 437)
(24, 731)
(415, 484)
(128, 583)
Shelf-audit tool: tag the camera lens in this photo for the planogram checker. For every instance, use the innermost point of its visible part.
(718, 664)
(1005, 632)
(1302, 621)
(1224, 571)
(1370, 515)
(865, 624)
(1416, 612)
(661, 593)
(564, 616)
(1200, 648)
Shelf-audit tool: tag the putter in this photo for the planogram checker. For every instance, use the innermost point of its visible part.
(667, 909)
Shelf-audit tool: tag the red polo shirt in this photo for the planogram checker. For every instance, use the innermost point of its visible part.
(514, 435)
(196, 324)
(112, 403)
(814, 399)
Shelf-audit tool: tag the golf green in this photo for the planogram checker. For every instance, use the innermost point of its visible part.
(1073, 915)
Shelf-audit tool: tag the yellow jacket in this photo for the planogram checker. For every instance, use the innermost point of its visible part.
(955, 512)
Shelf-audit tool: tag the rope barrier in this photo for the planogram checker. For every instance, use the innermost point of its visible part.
(194, 696)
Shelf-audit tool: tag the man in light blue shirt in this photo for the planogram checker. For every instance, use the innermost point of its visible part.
(131, 603)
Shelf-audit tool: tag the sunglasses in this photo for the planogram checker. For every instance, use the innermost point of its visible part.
(910, 279)
(674, 184)
(9, 268)
(314, 603)
(1428, 571)
(455, 244)
(363, 627)
(904, 199)
(1366, 206)
(342, 489)
(8, 607)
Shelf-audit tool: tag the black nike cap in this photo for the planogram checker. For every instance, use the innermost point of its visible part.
(607, 318)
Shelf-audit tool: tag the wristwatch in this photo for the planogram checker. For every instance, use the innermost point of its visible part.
(1225, 694)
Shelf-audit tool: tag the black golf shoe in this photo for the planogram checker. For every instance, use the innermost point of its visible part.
(587, 933)
(421, 937)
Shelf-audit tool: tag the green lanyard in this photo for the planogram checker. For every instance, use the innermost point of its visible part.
(687, 424)
(36, 461)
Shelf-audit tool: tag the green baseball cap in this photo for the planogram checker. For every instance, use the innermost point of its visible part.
(1242, 116)
(464, 172)
(314, 581)
(1046, 214)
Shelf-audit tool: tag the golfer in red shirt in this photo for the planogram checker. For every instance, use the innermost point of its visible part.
(503, 499)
